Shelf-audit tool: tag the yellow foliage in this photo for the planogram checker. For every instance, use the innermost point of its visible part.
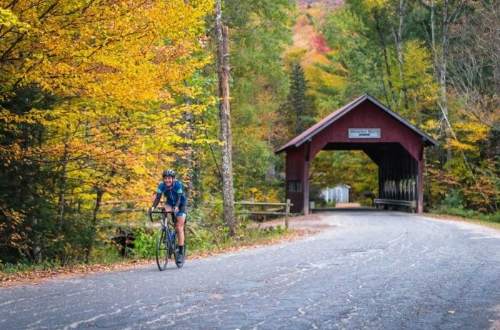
(472, 131)
(469, 134)
(457, 145)
(376, 4)
(125, 50)
(118, 70)
(318, 78)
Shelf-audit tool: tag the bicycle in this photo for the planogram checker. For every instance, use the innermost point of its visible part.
(166, 243)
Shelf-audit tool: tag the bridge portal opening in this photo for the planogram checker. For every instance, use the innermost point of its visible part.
(342, 179)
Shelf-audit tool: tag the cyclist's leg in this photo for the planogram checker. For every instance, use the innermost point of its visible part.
(180, 217)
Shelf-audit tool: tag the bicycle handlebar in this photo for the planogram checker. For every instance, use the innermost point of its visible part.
(158, 212)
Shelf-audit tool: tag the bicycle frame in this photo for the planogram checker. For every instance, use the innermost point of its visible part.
(167, 226)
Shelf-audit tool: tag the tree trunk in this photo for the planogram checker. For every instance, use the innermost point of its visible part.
(37, 249)
(398, 40)
(443, 97)
(389, 92)
(225, 119)
(62, 188)
(440, 56)
(97, 206)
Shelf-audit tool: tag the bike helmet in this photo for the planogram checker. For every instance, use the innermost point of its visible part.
(169, 172)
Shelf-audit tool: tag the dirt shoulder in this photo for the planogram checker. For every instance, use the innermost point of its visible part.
(309, 223)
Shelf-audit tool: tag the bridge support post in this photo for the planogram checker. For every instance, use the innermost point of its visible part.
(297, 180)
(420, 182)
(305, 183)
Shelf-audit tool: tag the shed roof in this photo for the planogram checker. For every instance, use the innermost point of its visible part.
(334, 116)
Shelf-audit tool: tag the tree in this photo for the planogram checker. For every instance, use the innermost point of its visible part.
(225, 119)
(298, 110)
(86, 90)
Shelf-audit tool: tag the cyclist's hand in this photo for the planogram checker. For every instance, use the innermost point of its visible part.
(176, 209)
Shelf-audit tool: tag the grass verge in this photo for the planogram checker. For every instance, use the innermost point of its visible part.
(491, 221)
(202, 246)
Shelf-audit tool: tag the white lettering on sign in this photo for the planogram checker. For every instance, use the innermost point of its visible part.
(364, 133)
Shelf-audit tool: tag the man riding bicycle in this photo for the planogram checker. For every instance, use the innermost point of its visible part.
(175, 202)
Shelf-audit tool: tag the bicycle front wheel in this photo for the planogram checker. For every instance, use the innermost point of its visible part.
(162, 250)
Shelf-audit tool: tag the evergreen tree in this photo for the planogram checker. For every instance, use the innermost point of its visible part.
(299, 109)
(297, 96)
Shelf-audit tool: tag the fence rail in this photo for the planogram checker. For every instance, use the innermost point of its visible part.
(250, 208)
(286, 206)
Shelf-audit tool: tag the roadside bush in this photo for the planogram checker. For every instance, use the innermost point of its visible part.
(200, 239)
(453, 204)
(453, 200)
(105, 253)
(144, 244)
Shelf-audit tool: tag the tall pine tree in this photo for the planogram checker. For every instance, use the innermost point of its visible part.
(299, 109)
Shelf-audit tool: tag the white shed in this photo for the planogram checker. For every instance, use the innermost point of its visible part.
(339, 194)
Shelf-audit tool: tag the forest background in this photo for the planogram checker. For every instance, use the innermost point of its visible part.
(97, 98)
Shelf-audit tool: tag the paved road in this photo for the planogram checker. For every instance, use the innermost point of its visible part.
(373, 270)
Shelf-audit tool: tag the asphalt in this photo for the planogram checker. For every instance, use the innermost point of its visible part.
(364, 270)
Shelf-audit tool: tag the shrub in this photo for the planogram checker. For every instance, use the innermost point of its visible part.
(144, 244)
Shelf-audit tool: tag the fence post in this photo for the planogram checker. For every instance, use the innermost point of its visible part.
(287, 212)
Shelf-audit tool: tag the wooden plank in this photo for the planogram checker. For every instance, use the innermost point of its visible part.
(128, 210)
(261, 213)
(259, 203)
(395, 202)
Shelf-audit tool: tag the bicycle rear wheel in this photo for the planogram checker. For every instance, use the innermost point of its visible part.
(162, 250)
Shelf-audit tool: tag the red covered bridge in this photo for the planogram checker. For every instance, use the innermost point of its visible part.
(394, 144)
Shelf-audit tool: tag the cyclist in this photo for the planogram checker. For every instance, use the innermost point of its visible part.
(175, 201)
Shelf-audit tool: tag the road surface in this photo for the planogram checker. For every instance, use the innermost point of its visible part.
(365, 270)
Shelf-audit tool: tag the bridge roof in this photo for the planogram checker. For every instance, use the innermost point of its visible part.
(309, 133)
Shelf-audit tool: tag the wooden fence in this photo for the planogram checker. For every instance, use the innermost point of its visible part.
(282, 209)
(249, 208)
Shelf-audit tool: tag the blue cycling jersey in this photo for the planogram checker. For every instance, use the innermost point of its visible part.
(172, 193)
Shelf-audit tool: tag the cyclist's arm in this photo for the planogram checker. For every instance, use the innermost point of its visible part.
(159, 192)
(180, 194)
(156, 200)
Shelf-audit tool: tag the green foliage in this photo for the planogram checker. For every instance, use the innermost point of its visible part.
(105, 253)
(259, 32)
(454, 200)
(201, 240)
(9, 268)
(144, 244)
(455, 204)
(354, 51)
(468, 214)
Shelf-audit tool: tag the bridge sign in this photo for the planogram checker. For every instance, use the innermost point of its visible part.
(364, 133)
